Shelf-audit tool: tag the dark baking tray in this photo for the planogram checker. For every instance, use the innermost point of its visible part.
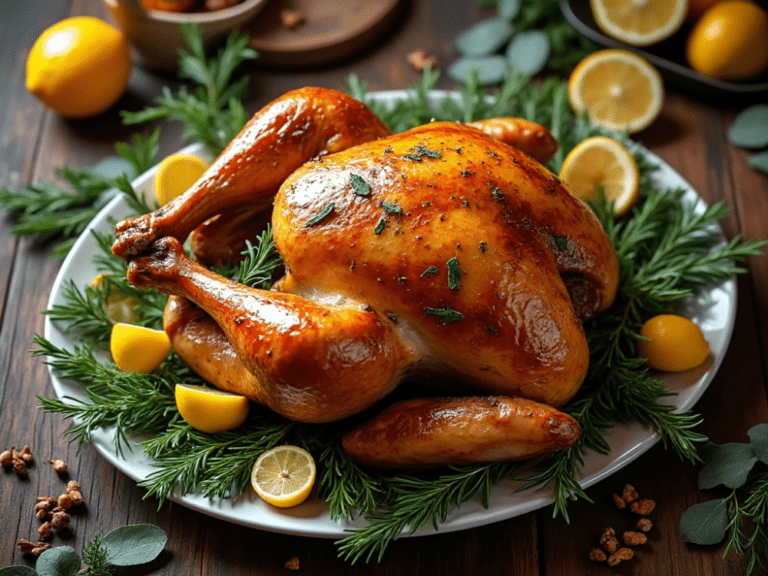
(669, 58)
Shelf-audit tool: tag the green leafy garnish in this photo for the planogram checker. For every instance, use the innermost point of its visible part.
(391, 207)
(454, 273)
(380, 225)
(211, 111)
(431, 271)
(446, 315)
(421, 152)
(359, 186)
(320, 216)
(741, 517)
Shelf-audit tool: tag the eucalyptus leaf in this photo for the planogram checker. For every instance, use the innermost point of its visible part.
(758, 439)
(528, 51)
(114, 166)
(759, 162)
(59, 561)
(489, 70)
(134, 545)
(18, 571)
(704, 523)
(484, 38)
(508, 9)
(750, 127)
(730, 465)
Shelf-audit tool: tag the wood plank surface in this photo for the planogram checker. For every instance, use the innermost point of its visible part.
(690, 135)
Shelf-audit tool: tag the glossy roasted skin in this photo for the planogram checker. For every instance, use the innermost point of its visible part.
(441, 251)
(426, 432)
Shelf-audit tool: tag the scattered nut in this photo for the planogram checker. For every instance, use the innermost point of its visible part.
(26, 454)
(292, 18)
(292, 564)
(634, 538)
(642, 507)
(419, 59)
(20, 467)
(629, 494)
(597, 555)
(72, 485)
(611, 545)
(43, 509)
(32, 548)
(608, 534)
(619, 556)
(65, 501)
(6, 459)
(44, 530)
(76, 497)
(619, 501)
(60, 520)
(59, 466)
(644, 524)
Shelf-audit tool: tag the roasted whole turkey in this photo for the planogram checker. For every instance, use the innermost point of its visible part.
(446, 252)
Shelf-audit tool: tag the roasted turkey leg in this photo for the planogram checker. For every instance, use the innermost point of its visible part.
(310, 361)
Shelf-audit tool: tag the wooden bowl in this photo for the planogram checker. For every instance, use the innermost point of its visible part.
(156, 38)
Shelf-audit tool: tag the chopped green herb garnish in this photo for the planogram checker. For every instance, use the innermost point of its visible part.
(421, 152)
(391, 207)
(359, 186)
(320, 216)
(379, 226)
(562, 242)
(491, 330)
(447, 315)
(454, 273)
(431, 271)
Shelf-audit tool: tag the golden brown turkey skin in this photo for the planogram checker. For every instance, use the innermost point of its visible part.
(456, 431)
(446, 192)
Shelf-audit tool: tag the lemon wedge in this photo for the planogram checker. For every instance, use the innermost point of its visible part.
(120, 308)
(176, 175)
(79, 67)
(209, 409)
(618, 89)
(284, 476)
(602, 162)
(138, 348)
(639, 22)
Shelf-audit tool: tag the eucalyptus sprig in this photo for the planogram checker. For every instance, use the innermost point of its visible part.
(741, 517)
(133, 545)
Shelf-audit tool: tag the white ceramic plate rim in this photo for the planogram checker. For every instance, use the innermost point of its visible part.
(714, 310)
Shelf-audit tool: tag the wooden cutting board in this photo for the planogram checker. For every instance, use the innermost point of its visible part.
(332, 30)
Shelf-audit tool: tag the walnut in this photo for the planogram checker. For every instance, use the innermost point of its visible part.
(634, 538)
(619, 501)
(65, 501)
(292, 564)
(642, 507)
(611, 545)
(58, 465)
(6, 459)
(420, 60)
(629, 494)
(44, 531)
(597, 555)
(644, 524)
(619, 556)
(60, 520)
(608, 534)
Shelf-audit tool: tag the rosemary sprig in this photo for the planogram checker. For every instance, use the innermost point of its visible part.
(211, 111)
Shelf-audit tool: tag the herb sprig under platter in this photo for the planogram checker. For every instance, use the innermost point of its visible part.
(653, 239)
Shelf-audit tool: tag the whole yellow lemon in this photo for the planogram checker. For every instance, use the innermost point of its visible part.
(79, 67)
(730, 41)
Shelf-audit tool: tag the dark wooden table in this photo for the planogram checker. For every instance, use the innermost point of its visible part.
(690, 135)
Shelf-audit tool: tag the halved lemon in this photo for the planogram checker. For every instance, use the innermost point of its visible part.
(639, 22)
(618, 89)
(602, 162)
(176, 175)
(138, 348)
(209, 409)
(284, 476)
(119, 307)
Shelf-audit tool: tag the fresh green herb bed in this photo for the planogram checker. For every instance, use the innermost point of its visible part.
(666, 254)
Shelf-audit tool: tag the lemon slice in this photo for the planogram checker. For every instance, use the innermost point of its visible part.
(210, 410)
(119, 307)
(137, 348)
(639, 22)
(284, 476)
(618, 89)
(176, 175)
(602, 162)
